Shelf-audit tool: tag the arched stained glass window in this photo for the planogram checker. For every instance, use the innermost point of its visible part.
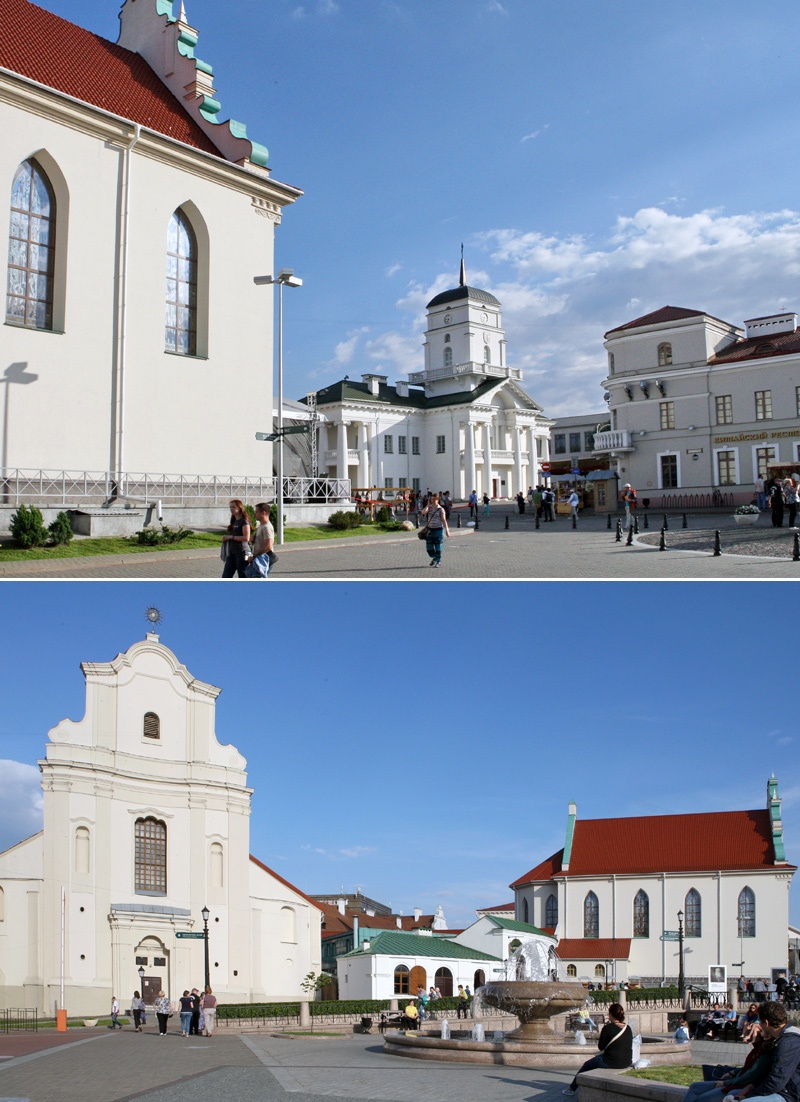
(747, 913)
(151, 856)
(551, 911)
(31, 249)
(591, 916)
(641, 914)
(694, 913)
(180, 331)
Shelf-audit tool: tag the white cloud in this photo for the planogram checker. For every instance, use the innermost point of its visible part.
(393, 269)
(357, 851)
(345, 350)
(536, 133)
(21, 806)
(327, 7)
(496, 6)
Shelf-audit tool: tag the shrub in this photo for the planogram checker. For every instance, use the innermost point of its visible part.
(155, 537)
(27, 527)
(382, 515)
(251, 516)
(60, 530)
(343, 520)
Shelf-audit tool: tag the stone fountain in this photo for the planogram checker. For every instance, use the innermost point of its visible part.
(535, 990)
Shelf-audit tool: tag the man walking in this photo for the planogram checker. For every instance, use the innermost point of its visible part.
(473, 505)
(629, 497)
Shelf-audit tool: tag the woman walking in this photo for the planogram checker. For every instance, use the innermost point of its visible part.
(163, 1012)
(790, 494)
(615, 1044)
(233, 541)
(209, 1011)
(437, 529)
(186, 1013)
(137, 1006)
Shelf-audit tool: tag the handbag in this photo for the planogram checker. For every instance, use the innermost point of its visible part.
(273, 558)
(423, 533)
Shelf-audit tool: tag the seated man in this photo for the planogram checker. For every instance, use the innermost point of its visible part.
(782, 1081)
(718, 1081)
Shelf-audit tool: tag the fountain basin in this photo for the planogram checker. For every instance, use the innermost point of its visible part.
(534, 1002)
(529, 1054)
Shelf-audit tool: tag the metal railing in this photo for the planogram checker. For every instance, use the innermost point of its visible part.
(714, 499)
(19, 1019)
(98, 487)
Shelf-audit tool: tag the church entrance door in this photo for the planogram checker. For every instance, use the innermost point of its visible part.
(151, 985)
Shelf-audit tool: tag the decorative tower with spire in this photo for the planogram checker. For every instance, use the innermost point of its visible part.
(465, 343)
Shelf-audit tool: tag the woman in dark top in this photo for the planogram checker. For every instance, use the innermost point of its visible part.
(776, 504)
(237, 535)
(615, 1044)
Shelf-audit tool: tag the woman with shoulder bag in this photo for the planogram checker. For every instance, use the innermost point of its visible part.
(236, 541)
(436, 529)
(615, 1044)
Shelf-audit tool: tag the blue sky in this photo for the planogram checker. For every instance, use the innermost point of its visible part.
(426, 750)
(598, 158)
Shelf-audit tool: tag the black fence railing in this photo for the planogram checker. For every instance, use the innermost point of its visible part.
(19, 1019)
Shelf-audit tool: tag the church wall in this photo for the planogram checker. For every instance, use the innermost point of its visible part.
(178, 414)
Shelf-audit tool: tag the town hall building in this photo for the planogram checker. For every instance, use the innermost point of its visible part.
(146, 823)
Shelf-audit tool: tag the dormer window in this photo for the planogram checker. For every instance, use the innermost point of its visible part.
(664, 354)
(151, 727)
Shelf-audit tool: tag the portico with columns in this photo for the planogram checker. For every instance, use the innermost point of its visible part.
(462, 423)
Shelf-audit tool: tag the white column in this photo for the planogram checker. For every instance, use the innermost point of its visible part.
(341, 450)
(518, 439)
(469, 458)
(533, 466)
(363, 456)
(487, 457)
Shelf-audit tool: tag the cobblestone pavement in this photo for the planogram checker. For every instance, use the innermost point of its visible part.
(493, 552)
(100, 1066)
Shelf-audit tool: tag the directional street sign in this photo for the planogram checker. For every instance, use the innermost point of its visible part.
(670, 935)
(181, 934)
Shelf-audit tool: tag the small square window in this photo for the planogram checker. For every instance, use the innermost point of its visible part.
(560, 443)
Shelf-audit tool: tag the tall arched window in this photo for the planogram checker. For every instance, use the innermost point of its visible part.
(444, 981)
(151, 856)
(641, 914)
(31, 249)
(151, 725)
(525, 912)
(217, 871)
(448, 356)
(82, 850)
(551, 911)
(694, 913)
(664, 354)
(288, 924)
(402, 980)
(747, 913)
(591, 916)
(180, 332)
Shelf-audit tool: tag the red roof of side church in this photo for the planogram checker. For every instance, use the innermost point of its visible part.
(719, 840)
(52, 51)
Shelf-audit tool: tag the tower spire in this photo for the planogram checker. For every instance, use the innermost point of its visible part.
(462, 277)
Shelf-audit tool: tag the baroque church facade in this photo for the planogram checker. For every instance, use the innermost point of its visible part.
(138, 220)
(146, 822)
(462, 423)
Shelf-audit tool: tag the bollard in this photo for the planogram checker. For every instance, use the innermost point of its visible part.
(796, 553)
(608, 526)
(636, 526)
(629, 540)
(506, 522)
(458, 524)
(717, 550)
(536, 525)
(662, 546)
(574, 521)
(476, 522)
(685, 522)
(666, 523)
(619, 532)
(646, 521)
(416, 520)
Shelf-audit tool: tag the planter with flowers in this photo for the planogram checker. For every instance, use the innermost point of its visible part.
(746, 514)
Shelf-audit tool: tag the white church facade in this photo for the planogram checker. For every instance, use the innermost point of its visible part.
(618, 885)
(138, 221)
(462, 423)
(146, 822)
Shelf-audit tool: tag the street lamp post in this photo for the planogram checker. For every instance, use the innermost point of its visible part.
(284, 278)
(205, 913)
(680, 955)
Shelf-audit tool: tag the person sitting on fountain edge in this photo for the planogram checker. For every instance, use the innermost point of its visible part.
(615, 1044)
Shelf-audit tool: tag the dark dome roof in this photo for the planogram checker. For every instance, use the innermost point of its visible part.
(458, 293)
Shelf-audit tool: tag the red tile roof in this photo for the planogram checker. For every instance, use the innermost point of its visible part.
(594, 948)
(502, 907)
(719, 840)
(658, 317)
(50, 50)
(758, 348)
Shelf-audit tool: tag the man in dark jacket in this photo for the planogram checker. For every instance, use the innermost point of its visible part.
(782, 1082)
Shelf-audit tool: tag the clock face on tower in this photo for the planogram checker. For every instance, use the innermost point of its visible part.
(447, 319)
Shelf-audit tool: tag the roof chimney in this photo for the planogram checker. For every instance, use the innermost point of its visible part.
(401, 386)
(773, 323)
(417, 914)
(374, 382)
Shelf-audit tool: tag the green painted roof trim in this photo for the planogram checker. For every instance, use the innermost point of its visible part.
(394, 944)
(775, 819)
(187, 41)
(164, 7)
(210, 108)
(517, 927)
(203, 66)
